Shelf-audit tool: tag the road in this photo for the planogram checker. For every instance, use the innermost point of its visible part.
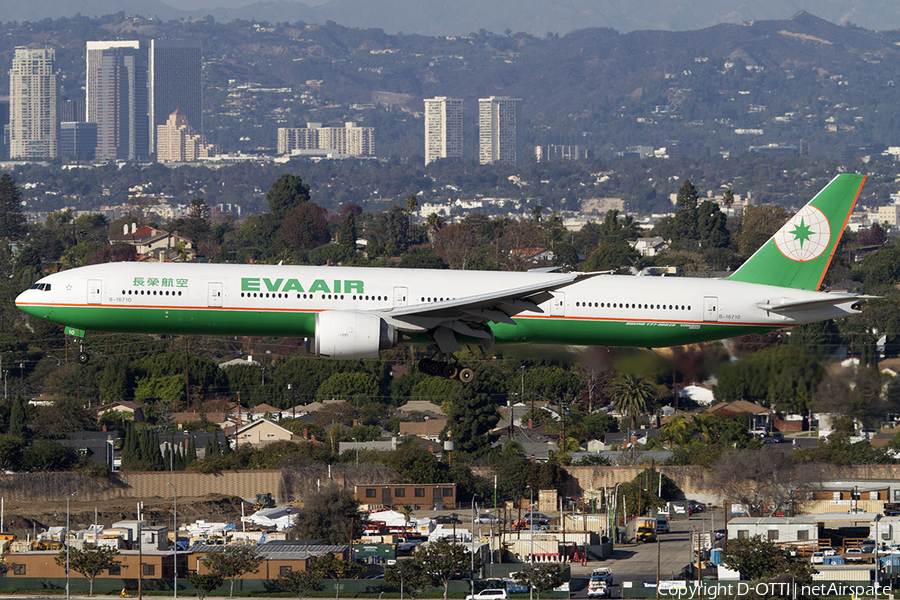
(633, 564)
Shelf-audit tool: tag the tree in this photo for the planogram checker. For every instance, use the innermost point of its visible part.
(328, 515)
(347, 235)
(286, 192)
(337, 569)
(442, 559)
(632, 395)
(611, 257)
(89, 560)
(232, 562)
(764, 481)
(540, 577)
(304, 227)
(300, 582)
(10, 452)
(12, 221)
(757, 558)
(204, 583)
(408, 576)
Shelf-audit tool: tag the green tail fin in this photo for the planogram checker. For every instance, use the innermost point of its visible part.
(798, 255)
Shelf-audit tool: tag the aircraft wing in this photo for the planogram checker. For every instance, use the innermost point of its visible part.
(470, 315)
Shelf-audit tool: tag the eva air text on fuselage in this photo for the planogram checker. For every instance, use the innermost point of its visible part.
(264, 284)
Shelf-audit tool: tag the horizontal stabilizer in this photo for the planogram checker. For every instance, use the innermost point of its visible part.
(798, 305)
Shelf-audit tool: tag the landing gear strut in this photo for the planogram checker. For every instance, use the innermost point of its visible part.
(446, 370)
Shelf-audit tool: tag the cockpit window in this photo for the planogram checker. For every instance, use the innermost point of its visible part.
(44, 287)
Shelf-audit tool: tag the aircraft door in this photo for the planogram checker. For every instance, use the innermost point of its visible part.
(215, 294)
(95, 291)
(710, 308)
(558, 304)
(400, 296)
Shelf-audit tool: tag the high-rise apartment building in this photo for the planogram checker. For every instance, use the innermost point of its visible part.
(176, 141)
(175, 67)
(116, 99)
(33, 88)
(443, 128)
(348, 140)
(499, 130)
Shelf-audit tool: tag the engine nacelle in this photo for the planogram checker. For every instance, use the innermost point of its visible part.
(344, 334)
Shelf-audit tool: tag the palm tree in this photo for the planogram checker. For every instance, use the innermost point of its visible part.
(433, 223)
(632, 395)
(406, 510)
(675, 431)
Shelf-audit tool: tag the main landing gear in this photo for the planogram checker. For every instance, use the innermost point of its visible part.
(446, 370)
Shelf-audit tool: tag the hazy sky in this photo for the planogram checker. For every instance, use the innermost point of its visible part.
(195, 4)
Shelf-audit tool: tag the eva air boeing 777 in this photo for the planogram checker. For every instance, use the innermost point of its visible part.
(354, 313)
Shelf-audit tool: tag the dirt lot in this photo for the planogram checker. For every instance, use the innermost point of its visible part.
(25, 519)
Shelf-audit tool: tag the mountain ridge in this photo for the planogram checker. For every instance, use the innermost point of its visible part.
(461, 17)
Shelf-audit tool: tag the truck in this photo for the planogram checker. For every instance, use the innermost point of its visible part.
(641, 529)
(407, 544)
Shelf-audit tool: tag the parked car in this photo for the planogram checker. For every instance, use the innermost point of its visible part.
(490, 594)
(696, 506)
(778, 437)
(827, 551)
(720, 534)
(602, 574)
(853, 555)
(536, 519)
(447, 520)
(662, 525)
(817, 558)
(489, 518)
(868, 546)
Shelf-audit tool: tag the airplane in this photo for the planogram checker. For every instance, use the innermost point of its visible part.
(353, 312)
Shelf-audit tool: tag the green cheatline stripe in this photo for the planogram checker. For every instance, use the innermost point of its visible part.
(546, 330)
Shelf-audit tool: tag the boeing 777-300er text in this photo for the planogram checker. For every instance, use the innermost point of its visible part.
(353, 313)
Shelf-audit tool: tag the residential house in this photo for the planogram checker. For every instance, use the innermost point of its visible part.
(129, 407)
(262, 432)
(649, 246)
(429, 429)
(156, 245)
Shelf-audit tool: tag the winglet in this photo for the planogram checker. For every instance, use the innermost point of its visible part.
(798, 255)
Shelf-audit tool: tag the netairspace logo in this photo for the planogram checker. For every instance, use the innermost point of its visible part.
(738, 588)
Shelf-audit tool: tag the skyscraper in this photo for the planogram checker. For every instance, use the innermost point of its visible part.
(116, 99)
(175, 84)
(443, 128)
(32, 104)
(500, 130)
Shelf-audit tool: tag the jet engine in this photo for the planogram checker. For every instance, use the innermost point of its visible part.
(342, 334)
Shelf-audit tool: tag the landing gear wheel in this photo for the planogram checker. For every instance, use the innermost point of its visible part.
(83, 358)
(450, 371)
(423, 365)
(466, 375)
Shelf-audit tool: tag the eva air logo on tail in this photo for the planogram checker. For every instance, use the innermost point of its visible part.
(805, 236)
